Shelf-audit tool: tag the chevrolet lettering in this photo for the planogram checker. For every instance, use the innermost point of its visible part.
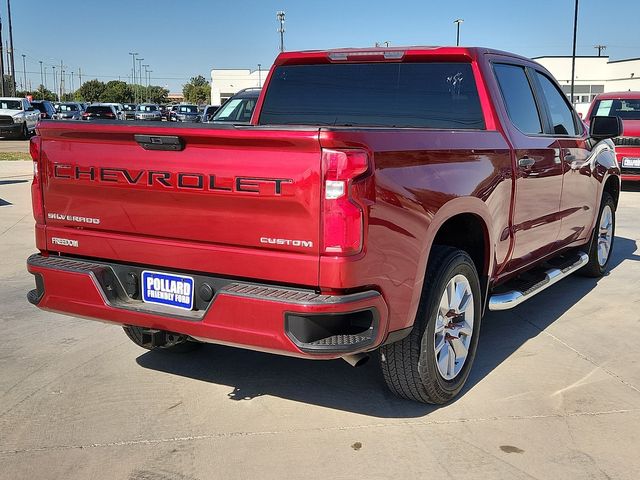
(191, 181)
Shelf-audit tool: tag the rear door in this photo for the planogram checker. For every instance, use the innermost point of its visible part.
(232, 202)
(538, 182)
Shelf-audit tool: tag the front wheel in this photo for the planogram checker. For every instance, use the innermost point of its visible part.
(602, 239)
(432, 364)
(25, 131)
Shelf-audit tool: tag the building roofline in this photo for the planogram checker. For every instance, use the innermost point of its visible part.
(577, 56)
(624, 60)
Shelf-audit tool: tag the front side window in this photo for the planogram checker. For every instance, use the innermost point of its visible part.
(518, 98)
(562, 119)
(412, 95)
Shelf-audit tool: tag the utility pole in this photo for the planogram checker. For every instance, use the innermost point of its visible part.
(1, 63)
(260, 75)
(41, 73)
(61, 81)
(133, 76)
(24, 70)
(280, 17)
(55, 81)
(13, 67)
(573, 55)
(600, 48)
(458, 21)
(45, 77)
(72, 87)
(79, 77)
(149, 85)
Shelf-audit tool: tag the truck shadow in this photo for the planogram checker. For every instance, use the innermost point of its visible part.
(335, 384)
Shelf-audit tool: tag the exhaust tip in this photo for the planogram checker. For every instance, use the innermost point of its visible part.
(356, 360)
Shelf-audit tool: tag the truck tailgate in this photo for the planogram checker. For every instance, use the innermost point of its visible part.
(236, 202)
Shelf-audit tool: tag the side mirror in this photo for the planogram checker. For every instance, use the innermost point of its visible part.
(605, 127)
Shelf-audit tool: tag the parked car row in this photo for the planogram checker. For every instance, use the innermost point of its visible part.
(19, 117)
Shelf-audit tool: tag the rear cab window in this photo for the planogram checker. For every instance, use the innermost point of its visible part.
(435, 95)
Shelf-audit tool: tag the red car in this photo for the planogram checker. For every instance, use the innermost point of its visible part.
(379, 200)
(625, 105)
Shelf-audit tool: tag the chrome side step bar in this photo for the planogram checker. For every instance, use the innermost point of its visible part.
(513, 298)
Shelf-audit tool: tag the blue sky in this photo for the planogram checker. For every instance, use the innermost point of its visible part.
(179, 39)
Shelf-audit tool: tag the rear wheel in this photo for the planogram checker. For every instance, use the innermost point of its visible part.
(602, 239)
(173, 342)
(432, 364)
(25, 131)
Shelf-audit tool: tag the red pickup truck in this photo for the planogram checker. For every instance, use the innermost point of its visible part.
(380, 200)
(625, 105)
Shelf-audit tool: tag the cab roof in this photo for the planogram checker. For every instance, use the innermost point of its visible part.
(378, 54)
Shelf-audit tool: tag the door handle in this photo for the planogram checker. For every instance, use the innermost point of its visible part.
(526, 162)
(160, 142)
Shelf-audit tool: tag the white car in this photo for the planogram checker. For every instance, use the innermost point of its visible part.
(17, 117)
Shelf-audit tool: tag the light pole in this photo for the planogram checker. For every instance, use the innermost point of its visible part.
(133, 75)
(24, 71)
(280, 17)
(458, 21)
(259, 74)
(573, 55)
(45, 77)
(140, 60)
(145, 81)
(149, 85)
(41, 75)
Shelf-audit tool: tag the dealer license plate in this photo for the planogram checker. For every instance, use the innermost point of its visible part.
(167, 289)
(631, 162)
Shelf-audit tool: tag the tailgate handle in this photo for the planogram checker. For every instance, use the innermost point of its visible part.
(160, 142)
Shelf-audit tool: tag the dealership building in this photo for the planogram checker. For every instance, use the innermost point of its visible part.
(593, 75)
(225, 83)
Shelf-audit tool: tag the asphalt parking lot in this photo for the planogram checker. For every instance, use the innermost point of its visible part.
(555, 392)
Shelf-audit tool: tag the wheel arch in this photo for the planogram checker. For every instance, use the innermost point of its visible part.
(471, 214)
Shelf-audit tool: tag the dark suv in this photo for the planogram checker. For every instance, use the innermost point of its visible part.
(46, 108)
(239, 108)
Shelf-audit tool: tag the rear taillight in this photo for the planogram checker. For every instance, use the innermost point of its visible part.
(109, 115)
(347, 192)
(36, 185)
(86, 114)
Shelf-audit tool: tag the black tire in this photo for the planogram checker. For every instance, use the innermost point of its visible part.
(409, 366)
(176, 343)
(24, 133)
(594, 268)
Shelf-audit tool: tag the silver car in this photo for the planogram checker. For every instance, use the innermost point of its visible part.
(69, 111)
(148, 112)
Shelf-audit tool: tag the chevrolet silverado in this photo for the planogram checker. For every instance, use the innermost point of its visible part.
(379, 200)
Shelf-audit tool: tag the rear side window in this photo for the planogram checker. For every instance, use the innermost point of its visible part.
(419, 95)
(562, 119)
(518, 98)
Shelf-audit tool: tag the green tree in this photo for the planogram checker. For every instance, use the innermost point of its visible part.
(90, 91)
(116, 91)
(197, 90)
(155, 94)
(40, 94)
